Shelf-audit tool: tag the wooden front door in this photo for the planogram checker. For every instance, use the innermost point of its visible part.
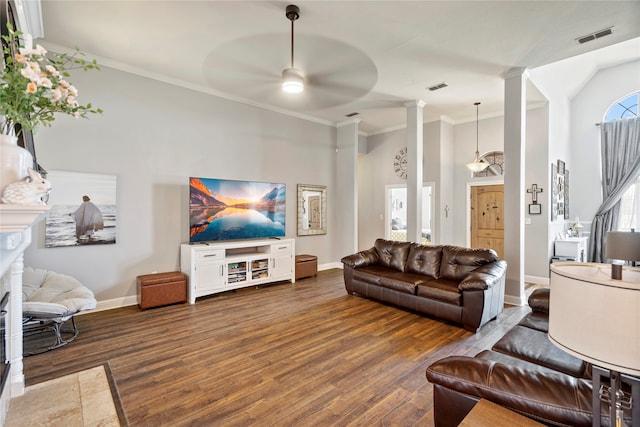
(487, 217)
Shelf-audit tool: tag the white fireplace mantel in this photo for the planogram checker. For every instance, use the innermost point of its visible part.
(15, 237)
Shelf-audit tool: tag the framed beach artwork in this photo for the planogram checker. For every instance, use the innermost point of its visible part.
(83, 209)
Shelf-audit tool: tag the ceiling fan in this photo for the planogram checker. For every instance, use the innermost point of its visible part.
(327, 72)
(292, 78)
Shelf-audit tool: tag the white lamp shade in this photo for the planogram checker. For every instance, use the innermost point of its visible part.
(622, 245)
(477, 165)
(594, 317)
(292, 80)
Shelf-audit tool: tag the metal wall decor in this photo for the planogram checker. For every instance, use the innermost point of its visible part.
(559, 191)
(534, 208)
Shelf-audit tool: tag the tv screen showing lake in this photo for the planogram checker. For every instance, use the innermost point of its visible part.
(229, 210)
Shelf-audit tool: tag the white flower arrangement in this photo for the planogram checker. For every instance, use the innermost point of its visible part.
(34, 85)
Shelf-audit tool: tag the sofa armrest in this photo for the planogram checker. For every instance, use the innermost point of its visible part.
(361, 259)
(539, 300)
(484, 277)
(548, 397)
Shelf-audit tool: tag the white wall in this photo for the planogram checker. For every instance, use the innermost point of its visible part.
(153, 136)
(588, 107)
(446, 150)
(490, 138)
(375, 170)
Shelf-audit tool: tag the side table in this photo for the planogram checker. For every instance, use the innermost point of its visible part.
(488, 414)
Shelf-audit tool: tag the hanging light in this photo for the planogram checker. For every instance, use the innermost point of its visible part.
(477, 165)
(292, 78)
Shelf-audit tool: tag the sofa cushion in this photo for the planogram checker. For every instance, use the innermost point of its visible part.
(539, 300)
(441, 290)
(392, 254)
(425, 260)
(370, 274)
(506, 359)
(534, 346)
(552, 398)
(457, 261)
(536, 320)
(401, 282)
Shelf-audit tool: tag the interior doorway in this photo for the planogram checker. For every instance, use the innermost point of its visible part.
(487, 217)
(396, 213)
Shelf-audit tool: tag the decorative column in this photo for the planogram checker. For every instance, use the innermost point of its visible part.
(415, 154)
(15, 237)
(347, 191)
(514, 186)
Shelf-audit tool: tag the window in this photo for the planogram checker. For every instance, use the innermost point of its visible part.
(626, 107)
(630, 202)
(496, 164)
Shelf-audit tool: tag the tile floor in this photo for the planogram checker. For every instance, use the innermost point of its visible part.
(80, 399)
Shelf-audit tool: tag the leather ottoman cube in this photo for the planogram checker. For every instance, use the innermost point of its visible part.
(306, 266)
(156, 290)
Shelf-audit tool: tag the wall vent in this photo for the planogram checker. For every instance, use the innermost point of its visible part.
(596, 35)
(352, 114)
(438, 86)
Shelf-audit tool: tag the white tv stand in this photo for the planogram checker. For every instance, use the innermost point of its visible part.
(215, 267)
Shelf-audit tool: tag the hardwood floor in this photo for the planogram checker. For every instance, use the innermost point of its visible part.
(302, 354)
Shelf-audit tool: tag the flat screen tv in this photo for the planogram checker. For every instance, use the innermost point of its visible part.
(222, 209)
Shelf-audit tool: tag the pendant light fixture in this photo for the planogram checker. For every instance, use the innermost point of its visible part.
(292, 78)
(477, 165)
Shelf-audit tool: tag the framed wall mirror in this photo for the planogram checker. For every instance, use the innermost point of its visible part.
(312, 210)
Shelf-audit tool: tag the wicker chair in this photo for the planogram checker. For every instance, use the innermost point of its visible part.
(49, 301)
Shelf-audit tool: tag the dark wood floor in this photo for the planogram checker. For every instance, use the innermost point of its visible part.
(301, 354)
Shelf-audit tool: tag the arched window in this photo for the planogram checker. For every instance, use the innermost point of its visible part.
(630, 202)
(496, 164)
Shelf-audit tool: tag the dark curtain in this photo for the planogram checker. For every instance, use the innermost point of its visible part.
(620, 155)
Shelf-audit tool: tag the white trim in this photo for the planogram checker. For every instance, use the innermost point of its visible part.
(116, 65)
(329, 266)
(114, 303)
(130, 300)
(537, 280)
(29, 17)
(512, 300)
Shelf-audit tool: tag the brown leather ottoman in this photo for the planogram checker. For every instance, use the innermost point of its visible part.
(306, 266)
(155, 290)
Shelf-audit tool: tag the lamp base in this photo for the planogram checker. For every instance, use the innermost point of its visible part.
(620, 403)
(616, 271)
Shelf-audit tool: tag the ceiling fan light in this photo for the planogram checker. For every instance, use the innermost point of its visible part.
(292, 81)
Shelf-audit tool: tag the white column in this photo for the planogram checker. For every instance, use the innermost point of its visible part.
(514, 185)
(347, 191)
(14, 327)
(415, 153)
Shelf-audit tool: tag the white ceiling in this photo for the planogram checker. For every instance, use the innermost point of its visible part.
(368, 57)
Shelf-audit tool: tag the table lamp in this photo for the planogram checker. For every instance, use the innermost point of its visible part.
(577, 226)
(596, 318)
(621, 245)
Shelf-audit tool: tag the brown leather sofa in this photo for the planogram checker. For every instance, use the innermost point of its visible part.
(523, 372)
(456, 284)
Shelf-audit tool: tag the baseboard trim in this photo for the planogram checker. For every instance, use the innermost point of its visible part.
(329, 266)
(513, 300)
(536, 280)
(133, 299)
(113, 303)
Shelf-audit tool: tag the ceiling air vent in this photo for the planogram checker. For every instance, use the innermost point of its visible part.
(351, 114)
(596, 35)
(438, 86)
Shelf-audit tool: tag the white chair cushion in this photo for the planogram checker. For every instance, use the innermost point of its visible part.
(47, 292)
